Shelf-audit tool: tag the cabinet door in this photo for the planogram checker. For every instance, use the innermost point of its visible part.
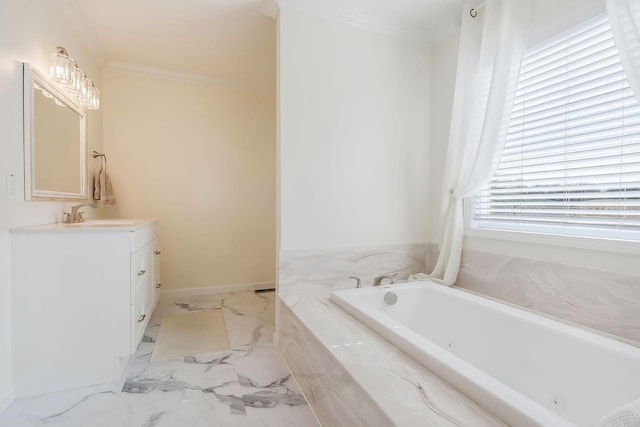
(157, 283)
(141, 290)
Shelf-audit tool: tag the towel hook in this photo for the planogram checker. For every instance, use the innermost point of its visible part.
(103, 163)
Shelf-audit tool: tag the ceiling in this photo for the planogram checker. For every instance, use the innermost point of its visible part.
(235, 40)
(421, 20)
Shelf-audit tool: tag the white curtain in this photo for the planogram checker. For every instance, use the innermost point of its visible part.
(624, 16)
(490, 52)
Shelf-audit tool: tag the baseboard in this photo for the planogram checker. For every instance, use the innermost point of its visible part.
(7, 399)
(218, 289)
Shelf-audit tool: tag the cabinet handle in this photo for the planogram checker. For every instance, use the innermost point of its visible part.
(157, 252)
(141, 272)
(142, 318)
(158, 285)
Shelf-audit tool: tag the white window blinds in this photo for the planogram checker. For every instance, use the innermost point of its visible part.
(571, 161)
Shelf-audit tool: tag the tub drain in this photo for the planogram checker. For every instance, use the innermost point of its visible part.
(390, 298)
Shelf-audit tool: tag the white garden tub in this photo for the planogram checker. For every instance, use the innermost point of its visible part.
(527, 369)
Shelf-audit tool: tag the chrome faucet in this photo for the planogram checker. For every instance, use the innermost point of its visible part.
(378, 280)
(358, 281)
(76, 215)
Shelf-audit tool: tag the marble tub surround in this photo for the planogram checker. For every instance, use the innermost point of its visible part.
(604, 301)
(325, 382)
(433, 252)
(330, 269)
(341, 364)
(248, 385)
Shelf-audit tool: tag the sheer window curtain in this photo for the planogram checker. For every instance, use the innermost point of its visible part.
(624, 16)
(490, 52)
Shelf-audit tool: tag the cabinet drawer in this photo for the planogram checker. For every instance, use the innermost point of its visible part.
(141, 292)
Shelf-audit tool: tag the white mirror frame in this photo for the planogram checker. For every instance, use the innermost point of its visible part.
(31, 76)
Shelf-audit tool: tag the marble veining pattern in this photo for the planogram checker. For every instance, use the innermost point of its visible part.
(433, 251)
(341, 364)
(326, 383)
(248, 385)
(604, 301)
(321, 269)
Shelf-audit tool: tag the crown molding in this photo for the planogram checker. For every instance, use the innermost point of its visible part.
(362, 20)
(141, 70)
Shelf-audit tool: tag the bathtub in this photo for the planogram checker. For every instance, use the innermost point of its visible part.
(527, 369)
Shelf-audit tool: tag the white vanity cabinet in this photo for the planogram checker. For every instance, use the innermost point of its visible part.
(82, 298)
(157, 282)
(142, 291)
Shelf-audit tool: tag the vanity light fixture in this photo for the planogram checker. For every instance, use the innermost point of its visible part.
(65, 71)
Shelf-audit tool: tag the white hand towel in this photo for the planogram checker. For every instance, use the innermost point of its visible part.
(106, 191)
(96, 186)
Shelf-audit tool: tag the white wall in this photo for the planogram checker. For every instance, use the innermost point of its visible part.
(353, 145)
(199, 157)
(444, 58)
(29, 31)
(549, 16)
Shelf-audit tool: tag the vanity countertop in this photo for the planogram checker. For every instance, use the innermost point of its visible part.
(90, 225)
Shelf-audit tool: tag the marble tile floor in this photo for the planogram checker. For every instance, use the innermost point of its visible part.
(246, 386)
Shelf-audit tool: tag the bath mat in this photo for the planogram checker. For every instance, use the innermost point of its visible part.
(186, 334)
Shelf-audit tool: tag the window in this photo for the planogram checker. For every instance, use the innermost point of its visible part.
(571, 161)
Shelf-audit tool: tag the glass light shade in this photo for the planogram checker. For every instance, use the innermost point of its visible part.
(60, 68)
(77, 76)
(85, 92)
(65, 71)
(95, 99)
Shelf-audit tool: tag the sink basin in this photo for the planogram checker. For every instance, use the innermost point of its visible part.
(105, 223)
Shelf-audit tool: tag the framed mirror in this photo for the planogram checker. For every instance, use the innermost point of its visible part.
(55, 146)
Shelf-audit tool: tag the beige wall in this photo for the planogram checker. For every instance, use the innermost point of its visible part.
(201, 159)
(354, 136)
(29, 32)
